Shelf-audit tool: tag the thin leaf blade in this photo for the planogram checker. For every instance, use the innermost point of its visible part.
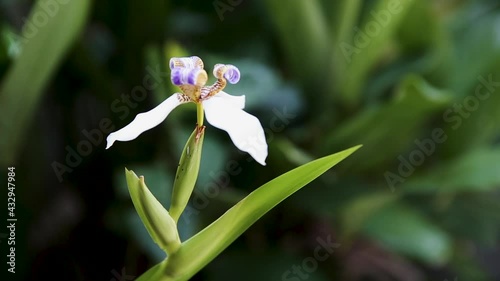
(207, 244)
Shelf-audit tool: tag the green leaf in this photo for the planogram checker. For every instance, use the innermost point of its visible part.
(355, 214)
(187, 173)
(406, 231)
(344, 19)
(43, 51)
(412, 24)
(361, 57)
(392, 127)
(474, 171)
(207, 244)
(477, 38)
(302, 28)
(155, 217)
(475, 119)
(345, 14)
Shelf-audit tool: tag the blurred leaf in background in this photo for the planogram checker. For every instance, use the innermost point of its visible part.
(46, 38)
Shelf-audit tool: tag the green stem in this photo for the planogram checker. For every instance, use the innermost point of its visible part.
(199, 112)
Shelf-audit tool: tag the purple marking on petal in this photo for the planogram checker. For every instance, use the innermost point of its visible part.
(185, 75)
(176, 76)
(192, 75)
(172, 63)
(232, 74)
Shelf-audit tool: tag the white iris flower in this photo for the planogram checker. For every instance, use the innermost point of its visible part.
(221, 109)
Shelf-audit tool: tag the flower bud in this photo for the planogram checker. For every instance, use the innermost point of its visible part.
(158, 222)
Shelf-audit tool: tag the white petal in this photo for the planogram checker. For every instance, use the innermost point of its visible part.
(244, 129)
(145, 121)
(238, 101)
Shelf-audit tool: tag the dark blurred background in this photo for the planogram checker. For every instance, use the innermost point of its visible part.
(415, 81)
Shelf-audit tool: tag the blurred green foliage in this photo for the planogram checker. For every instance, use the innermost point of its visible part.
(321, 76)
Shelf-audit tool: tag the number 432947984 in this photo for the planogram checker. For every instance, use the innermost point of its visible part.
(11, 199)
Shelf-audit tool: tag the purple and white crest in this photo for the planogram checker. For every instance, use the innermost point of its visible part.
(182, 76)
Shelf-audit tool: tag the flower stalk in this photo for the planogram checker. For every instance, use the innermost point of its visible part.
(199, 114)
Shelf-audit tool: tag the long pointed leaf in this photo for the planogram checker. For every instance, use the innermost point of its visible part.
(198, 251)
